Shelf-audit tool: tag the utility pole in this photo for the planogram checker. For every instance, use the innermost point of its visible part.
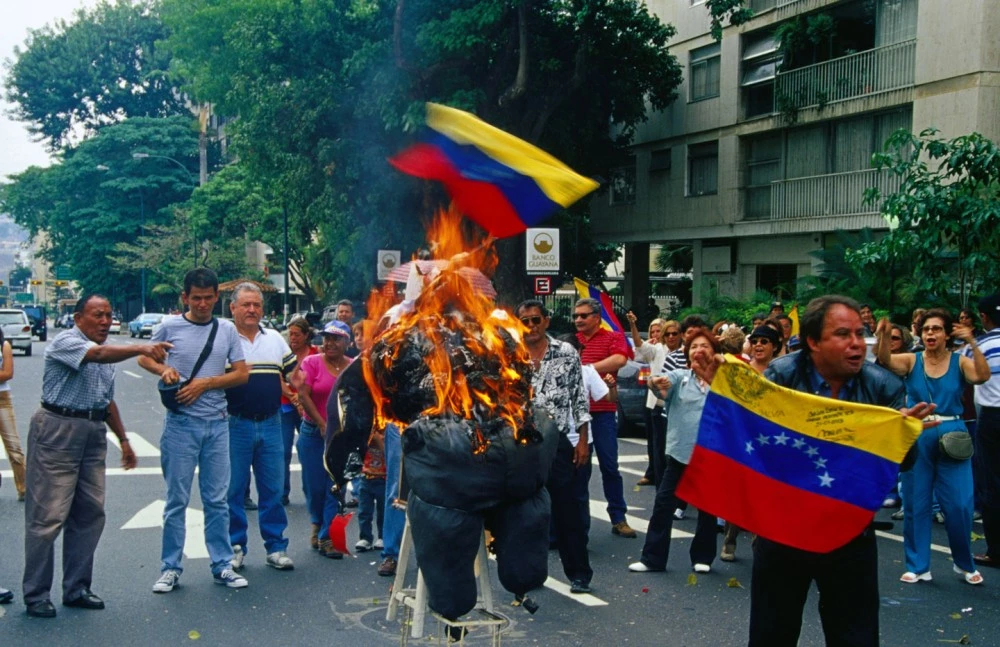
(284, 213)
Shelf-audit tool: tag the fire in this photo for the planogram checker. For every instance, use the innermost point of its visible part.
(454, 353)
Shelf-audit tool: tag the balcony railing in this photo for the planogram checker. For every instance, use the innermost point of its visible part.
(763, 5)
(870, 72)
(835, 194)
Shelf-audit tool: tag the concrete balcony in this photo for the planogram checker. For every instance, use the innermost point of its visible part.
(863, 74)
(818, 196)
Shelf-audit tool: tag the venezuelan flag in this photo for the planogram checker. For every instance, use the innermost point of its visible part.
(501, 182)
(609, 321)
(802, 470)
(794, 316)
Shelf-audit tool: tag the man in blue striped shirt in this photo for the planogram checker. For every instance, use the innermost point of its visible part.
(987, 436)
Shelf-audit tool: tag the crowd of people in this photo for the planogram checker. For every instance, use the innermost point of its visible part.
(237, 393)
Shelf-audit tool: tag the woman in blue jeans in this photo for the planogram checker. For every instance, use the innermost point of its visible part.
(316, 379)
(937, 375)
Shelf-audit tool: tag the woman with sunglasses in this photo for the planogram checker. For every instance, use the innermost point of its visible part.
(652, 352)
(936, 375)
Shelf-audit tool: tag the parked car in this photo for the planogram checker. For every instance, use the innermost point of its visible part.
(142, 326)
(116, 326)
(632, 387)
(65, 321)
(16, 328)
(39, 321)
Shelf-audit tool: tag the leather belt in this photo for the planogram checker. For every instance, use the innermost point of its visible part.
(254, 417)
(95, 415)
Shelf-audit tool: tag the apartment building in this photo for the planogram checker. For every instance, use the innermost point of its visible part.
(767, 151)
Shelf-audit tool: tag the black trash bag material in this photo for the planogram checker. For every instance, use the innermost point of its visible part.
(520, 532)
(349, 414)
(446, 542)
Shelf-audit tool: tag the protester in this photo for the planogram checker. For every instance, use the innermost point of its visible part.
(67, 447)
(316, 379)
(832, 364)
(936, 375)
(683, 394)
(607, 352)
(299, 334)
(868, 319)
(8, 424)
(255, 431)
(196, 433)
(345, 313)
(988, 429)
(558, 389)
(676, 360)
(371, 494)
(651, 351)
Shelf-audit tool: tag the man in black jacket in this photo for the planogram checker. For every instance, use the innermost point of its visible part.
(831, 364)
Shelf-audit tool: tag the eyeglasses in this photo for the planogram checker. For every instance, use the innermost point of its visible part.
(582, 315)
(672, 334)
(533, 320)
(896, 338)
(759, 340)
(932, 329)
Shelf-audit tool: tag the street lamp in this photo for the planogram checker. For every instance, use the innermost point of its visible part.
(142, 156)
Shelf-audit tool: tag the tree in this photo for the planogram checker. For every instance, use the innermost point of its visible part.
(105, 66)
(945, 217)
(19, 276)
(734, 11)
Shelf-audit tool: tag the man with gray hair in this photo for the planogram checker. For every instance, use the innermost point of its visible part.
(255, 438)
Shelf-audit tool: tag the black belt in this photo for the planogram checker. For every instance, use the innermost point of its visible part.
(254, 417)
(95, 415)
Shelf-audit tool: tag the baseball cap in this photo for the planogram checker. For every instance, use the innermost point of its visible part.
(767, 333)
(336, 327)
(990, 305)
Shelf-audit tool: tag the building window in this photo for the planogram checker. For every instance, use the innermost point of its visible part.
(703, 169)
(763, 168)
(623, 183)
(777, 279)
(704, 75)
(761, 61)
(661, 161)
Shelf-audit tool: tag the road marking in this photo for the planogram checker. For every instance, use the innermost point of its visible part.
(633, 458)
(634, 441)
(137, 471)
(597, 511)
(629, 470)
(888, 535)
(586, 599)
(194, 529)
(131, 374)
(140, 446)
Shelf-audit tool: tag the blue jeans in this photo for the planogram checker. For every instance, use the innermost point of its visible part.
(951, 480)
(371, 505)
(604, 434)
(188, 443)
(289, 423)
(258, 444)
(320, 501)
(395, 519)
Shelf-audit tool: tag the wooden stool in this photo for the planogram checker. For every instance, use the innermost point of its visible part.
(414, 600)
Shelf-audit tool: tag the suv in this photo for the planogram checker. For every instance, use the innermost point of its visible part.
(16, 328)
(39, 321)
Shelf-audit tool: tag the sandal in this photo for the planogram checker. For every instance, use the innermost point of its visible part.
(974, 578)
(985, 560)
(909, 577)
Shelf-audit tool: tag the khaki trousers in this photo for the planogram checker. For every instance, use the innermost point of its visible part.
(11, 441)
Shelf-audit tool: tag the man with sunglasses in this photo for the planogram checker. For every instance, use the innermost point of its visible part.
(557, 385)
(607, 352)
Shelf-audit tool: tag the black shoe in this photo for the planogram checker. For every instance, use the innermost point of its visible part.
(43, 609)
(86, 600)
(353, 503)
(284, 500)
(6, 597)
(248, 504)
(579, 586)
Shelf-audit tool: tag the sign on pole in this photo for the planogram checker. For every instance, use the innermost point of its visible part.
(388, 260)
(542, 255)
(543, 285)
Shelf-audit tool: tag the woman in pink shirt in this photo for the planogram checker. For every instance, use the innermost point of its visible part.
(315, 379)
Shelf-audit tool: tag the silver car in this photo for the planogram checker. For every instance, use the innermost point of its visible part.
(16, 329)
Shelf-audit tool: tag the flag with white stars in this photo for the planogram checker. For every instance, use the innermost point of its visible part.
(799, 469)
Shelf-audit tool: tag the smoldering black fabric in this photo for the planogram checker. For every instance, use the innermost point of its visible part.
(350, 412)
(455, 492)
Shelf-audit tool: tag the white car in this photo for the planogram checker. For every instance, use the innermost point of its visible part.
(16, 329)
(116, 327)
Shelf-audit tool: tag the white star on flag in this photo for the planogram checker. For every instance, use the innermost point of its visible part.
(820, 463)
(825, 480)
(781, 439)
(749, 447)
(811, 451)
(798, 443)
(763, 440)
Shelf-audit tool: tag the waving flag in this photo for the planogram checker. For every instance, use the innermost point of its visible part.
(793, 315)
(608, 319)
(501, 182)
(802, 470)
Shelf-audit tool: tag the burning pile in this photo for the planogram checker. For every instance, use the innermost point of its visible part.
(454, 376)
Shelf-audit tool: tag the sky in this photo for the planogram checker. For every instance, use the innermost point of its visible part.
(17, 151)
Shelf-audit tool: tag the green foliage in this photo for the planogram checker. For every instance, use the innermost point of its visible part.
(71, 78)
(717, 307)
(734, 11)
(945, 218)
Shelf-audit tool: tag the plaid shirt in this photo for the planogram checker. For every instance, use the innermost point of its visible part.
(558, 387)
(68, 381)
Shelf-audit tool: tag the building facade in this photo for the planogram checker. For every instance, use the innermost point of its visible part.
(766, 153)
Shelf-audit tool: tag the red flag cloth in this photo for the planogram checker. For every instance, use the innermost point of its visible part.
(338, 532)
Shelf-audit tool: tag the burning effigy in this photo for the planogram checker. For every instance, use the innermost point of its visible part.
(452, 373)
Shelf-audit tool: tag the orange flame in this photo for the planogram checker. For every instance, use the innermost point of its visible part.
(475, 364)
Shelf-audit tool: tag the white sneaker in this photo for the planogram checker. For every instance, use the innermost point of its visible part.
(363, 546)
(678, 514)
(378, 545)
(167, 582)
(702, 568)
(238, 558)
(280, 560)
(231, 579)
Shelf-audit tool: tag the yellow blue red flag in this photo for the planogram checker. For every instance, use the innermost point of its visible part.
(501, 182)
(765, 453)
(609, 321)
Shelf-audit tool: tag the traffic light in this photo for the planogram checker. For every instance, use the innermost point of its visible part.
(59, 284)
(35, 282)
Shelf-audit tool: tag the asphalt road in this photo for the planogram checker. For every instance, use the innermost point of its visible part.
(344, 602)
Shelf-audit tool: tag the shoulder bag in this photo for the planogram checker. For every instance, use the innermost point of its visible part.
(956, 445)
(168, 392)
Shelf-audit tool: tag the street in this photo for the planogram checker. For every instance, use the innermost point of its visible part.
(325, 601)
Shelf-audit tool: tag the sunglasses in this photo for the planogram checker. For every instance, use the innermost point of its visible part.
(672, 334)
(932, 329)
(759, 340)
(582, 315)
(533, 320)
(896, 338)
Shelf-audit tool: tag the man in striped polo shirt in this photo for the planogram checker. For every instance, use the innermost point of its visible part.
(255, 431)
(607, 352)
(987, 434)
